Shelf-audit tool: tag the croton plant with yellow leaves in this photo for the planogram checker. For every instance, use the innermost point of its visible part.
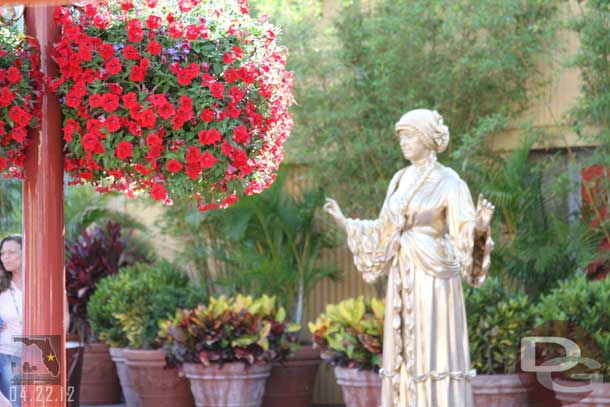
(226, 330)
(350, 334)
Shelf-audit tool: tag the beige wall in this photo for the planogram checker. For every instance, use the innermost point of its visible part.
(549, 110)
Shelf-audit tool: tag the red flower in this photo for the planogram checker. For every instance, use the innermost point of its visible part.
(115, 88)
(228, 58)
(113, 66)
(73, 100)
(71, 127)
(130, 101)
(166, 110)
(209, 137)
(236, 94)
(123, 150)
(3, 164)
(130, 52)
(6, 97)
(192, 155)
(110, 102)
(217, 90)
(134, 30)
(175, 30)
(138, 73)
(232, 111)
(147, 119)
(153, 140)
(112, 123)
(157, 99)
(244, 6)
(13, 75)
(208, 160)
(158, 192)
(153, 22)
(239, 53)
(240, 135)
(92, 144)
(173, 166)
(231, 75)
(19, 134)
(95, 100)
(154, 48)
(193, 169)
(207, 115)
(20, 116)
(106, 51)
(226, 148)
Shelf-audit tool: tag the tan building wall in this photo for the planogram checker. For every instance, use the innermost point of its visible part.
(549, 111)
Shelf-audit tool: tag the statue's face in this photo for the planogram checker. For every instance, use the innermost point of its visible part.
(410, 144)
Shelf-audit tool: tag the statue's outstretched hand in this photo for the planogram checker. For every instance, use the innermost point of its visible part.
(332, 208)
(485, 211)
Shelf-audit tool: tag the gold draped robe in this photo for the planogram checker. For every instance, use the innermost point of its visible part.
(426, 360)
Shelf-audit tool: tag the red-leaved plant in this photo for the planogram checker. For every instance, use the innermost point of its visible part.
(20, 96)
(180, 98)
(95, 254)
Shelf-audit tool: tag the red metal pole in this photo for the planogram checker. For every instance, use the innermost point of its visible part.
(43, 219)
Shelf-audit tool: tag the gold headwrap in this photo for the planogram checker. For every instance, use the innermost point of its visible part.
(428, 124)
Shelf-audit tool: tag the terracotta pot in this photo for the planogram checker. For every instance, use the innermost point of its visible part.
(155, 384)
(361, 388)
(99, 382)
(291, 382)
(600, 396)
(131, 397)
(232, 385)
(502, 390)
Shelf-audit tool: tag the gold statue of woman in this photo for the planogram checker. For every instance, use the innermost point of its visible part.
(427, 237)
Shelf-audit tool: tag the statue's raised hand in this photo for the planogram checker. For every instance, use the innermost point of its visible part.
(332, 208)
(485, 211)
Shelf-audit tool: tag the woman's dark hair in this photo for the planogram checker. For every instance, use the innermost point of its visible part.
(6, 276)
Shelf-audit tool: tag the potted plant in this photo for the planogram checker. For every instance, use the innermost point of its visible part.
(21, 93)
(177, 98)
(271, 244)
(583, 304)
(497, 320)
(350, 338)
(125, 312)
(95, 254)
(226, 347)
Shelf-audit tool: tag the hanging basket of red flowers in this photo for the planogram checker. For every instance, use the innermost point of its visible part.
(179, 98)
(21, 87)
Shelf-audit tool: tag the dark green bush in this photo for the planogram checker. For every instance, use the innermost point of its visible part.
(126, 309)
(585, 303)
(497, 320)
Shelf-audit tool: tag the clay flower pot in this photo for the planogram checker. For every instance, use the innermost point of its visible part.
(233, 385)
(501, 390)
(155, 384)
(131, 397)
(291, 382)
(361, 388)
(99, 382)
(600, 396)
